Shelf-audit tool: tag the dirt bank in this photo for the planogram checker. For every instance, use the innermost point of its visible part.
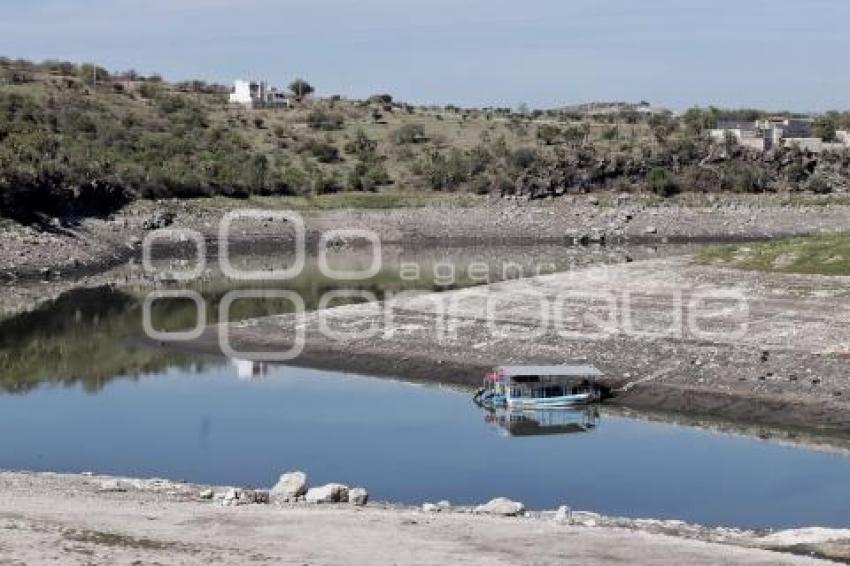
(49, 518)
(767, 350)
(96, 244)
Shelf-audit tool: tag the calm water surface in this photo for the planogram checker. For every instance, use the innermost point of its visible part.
(76, 395)
(412, 444)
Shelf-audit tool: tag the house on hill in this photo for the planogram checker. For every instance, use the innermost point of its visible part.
(253, 94)
(763, 135)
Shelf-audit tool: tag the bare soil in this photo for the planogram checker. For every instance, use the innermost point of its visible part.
(49, 519)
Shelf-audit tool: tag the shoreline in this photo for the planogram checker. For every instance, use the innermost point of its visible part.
(107, 519)
(766, 377)
(91, 246)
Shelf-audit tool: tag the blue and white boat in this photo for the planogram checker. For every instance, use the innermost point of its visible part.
(541, 387)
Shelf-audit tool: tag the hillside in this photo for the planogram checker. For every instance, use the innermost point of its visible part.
(77, 141)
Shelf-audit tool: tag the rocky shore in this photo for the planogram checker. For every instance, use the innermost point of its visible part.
(86, 519)
(68, 249)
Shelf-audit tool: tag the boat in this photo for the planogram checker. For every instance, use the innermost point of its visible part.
(540, 387)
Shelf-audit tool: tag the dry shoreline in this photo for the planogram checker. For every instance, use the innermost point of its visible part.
(78, 520)
(93, 245)
(787, 371)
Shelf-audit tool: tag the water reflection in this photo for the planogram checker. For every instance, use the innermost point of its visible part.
(542, 422)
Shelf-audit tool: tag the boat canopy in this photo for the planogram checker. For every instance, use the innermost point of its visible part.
(583, 370)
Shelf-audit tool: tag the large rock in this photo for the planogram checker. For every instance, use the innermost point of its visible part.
(501, 506)
(358, 496)
(330, 493)
(290, 486)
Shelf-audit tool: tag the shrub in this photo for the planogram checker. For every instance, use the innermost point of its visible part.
(548, 134)
(523, 157)
(361, 146)
(323, 151)
(661, 182)
(410, 133)
(324, 120)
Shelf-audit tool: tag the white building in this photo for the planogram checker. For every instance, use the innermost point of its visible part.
(252, 94)
(763, 135)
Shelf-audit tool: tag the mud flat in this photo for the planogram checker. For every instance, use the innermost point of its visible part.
(671, 336)
(51, 518)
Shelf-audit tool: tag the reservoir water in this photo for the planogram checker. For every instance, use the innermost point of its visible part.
(412, 443)
(77, 393)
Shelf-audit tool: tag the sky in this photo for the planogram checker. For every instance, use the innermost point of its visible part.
(772, 54)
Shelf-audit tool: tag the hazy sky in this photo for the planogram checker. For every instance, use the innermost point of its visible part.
(792, 54)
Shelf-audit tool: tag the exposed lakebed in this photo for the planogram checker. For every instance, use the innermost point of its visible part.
(79, 396)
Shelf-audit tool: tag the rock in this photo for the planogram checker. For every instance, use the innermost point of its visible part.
(114, 486)
(330, 493)
(290, 486)
(430, 508)
(650, 230)
(231, 495)
(358, 496)
(501, 506)
(444, 505)
(250, 497)
(563, 515)
(158, 220)
(593, 200)
(206, 494)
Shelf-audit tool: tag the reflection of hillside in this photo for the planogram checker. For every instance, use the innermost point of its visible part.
(81, 337)
(76, 338)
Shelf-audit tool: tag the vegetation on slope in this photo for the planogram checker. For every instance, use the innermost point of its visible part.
(77, 140)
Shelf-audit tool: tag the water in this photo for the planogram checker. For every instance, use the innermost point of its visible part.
(412, 444)
(77, 395)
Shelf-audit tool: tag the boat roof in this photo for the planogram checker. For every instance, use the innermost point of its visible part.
(563, 370)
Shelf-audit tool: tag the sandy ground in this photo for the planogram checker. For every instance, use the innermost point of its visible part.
(52, 519)
(767, 350)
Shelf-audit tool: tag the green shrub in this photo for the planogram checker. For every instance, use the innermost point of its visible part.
(661, 182)
(323, 151)
(524, 157)
(324, 120)
(409, 134)
(548, 134)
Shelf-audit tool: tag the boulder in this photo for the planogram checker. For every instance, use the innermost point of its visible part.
(290, 486)
(501, 506)
(651, 230)
(358, 496)
(206, 494)
(563, 515)
(330, 493)
(113, 486)
(430, 508)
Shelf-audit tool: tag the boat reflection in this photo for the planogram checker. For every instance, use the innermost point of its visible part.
(521, 423)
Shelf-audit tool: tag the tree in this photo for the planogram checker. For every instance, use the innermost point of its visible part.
(301, 88)
(825, 128)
